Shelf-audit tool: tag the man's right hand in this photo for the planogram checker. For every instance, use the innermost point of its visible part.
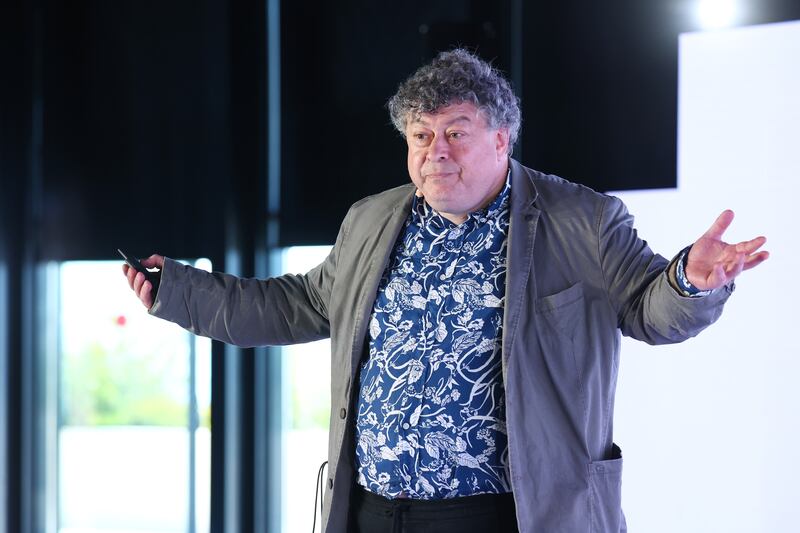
(137, 281)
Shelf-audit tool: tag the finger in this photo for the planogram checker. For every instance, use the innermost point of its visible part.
(716, 278)
(146, 296)
(154, 261)
(748, 247)
(131, 275)
(720, 225)
(722, 272)
(734, 268)
(138, 281)
(125, 268)
(755, 260)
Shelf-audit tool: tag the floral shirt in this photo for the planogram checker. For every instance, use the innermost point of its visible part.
(431, 406)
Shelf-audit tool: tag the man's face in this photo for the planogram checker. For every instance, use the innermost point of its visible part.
(458, 163)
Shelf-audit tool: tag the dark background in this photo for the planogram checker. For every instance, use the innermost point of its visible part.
(145, 125)
(152, 126)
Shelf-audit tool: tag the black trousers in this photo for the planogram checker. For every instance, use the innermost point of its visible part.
(370, 513)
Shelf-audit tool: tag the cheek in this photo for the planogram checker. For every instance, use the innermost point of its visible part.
(413, 168)
(415, 160)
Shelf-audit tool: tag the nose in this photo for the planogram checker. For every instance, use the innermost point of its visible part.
(439, 149)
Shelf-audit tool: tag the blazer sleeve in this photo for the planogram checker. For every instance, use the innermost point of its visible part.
(287, 309)
(648, 308)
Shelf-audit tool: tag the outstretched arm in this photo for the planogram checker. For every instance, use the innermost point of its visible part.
(713, 262)
(246, 312)
(650, 303)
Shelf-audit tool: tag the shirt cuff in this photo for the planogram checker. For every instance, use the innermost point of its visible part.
(684, 286)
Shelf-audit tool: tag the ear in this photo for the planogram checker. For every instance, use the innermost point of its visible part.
(501, 143)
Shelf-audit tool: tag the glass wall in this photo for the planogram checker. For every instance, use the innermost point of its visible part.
(134, 407)
(306, 388)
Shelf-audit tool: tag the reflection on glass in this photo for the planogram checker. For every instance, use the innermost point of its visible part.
(306, 389)
(126, 435)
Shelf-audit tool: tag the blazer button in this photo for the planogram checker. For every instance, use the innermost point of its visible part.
(342, 413)
(330, 483)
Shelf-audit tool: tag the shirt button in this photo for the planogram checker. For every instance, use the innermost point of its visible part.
(406, 426)
(342, 413)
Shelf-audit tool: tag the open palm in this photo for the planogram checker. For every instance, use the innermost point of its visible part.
(713, 262)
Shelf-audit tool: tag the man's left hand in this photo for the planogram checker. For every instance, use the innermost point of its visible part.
(713, 263)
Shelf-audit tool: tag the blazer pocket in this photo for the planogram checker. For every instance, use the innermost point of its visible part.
(605, 485)
(562, 310)
(560, 299)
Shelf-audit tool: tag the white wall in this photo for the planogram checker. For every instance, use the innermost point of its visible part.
(710, 429)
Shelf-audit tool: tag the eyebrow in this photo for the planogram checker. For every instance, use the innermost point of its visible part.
(460, 118)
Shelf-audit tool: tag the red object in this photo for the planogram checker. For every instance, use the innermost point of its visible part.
(121, 320)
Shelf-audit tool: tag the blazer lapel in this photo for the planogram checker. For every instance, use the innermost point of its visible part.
(521, 234)
(389, 231)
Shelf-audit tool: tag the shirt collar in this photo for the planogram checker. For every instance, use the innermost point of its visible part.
(425, 215)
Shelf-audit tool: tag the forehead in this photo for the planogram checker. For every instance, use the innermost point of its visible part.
(464, 112)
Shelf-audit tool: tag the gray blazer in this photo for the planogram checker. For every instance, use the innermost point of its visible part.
(578, 276)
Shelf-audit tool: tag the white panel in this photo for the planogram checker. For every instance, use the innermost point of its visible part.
(710, 428)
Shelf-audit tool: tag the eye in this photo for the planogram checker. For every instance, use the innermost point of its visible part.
(420, 138)
(455, 134)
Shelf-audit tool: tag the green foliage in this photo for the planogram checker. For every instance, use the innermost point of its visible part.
(103, 388)
(205, 417)
(309, 412)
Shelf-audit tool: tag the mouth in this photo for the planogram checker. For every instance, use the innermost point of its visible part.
(438, 175)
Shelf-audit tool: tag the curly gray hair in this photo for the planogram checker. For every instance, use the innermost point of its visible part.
(456, 77)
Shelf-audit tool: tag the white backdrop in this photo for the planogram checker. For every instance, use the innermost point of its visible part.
(710, 428)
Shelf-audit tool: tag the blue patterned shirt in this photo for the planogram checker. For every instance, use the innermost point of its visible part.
(431, 406)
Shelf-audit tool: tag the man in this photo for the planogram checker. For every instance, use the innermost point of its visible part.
(475, 320)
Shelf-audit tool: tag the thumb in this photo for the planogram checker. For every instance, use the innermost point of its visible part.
(720, 225)
(154, 261)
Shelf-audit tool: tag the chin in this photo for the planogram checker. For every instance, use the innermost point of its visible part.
(444, 207)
